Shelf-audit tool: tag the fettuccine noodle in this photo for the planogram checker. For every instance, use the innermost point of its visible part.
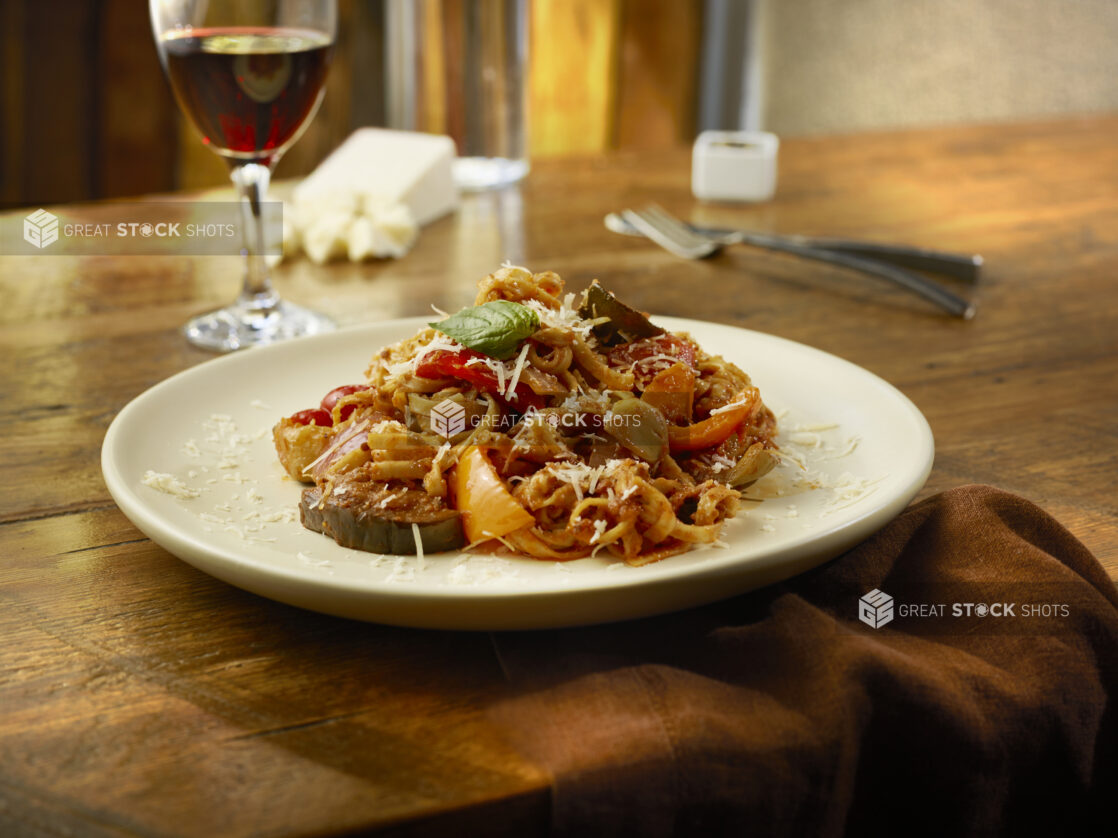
(549, 422)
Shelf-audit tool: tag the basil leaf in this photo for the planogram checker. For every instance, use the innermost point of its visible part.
(495, 328)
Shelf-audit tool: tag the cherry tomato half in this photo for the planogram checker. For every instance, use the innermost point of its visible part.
(331, 399)
(338, 393)
(313, 416)
(444, 364)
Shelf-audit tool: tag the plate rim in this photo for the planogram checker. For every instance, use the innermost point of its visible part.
(850, 532)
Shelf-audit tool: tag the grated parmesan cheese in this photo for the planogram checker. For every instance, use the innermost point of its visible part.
(169, 485)
(595, 474)
(731, 406)
(848, 490)
(438, 342)
(816, 428)
(517, 370)
(387, 499)
(657, 358)
(851, 445)
(289, 516)
(312, 562)
(418, 546)
(564, 318)
(809, 439)
(480, 570)
(498, 368)
(402, 571)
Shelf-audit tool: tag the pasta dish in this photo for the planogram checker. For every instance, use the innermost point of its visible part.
(559, 427)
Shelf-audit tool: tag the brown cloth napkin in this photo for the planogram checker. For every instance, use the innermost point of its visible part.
(780, 713)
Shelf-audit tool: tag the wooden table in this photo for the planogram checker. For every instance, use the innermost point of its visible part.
(141, 697)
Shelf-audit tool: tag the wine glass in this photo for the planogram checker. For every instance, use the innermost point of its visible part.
(249, 74)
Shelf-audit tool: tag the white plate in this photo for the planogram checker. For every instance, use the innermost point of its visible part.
(243, 527)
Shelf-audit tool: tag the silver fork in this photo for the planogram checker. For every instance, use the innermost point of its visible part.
(964, 266)
(678, 238)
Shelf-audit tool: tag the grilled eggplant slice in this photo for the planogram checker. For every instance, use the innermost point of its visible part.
(380, 519)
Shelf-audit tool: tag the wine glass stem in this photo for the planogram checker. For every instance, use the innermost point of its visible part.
(251, 180)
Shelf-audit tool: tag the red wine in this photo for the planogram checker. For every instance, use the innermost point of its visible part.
(249, 90)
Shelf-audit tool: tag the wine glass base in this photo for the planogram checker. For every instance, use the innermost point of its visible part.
(476, 174)
(239, 327)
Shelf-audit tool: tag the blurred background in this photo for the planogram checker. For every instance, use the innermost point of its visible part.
(86, 114)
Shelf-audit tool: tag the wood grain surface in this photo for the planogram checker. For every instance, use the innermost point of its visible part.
(141, 697)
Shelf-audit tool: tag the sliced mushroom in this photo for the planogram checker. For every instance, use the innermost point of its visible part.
(754, 464)
(639, 427)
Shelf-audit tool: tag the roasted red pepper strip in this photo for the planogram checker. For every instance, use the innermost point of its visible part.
(717, 427)
(445, 364)
(672, 391)
(645, 357)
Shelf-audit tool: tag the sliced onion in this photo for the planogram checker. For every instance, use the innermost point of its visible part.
(346, 441)
(754, 464)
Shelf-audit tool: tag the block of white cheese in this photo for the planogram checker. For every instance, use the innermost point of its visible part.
(326, 236)
(385, 167)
